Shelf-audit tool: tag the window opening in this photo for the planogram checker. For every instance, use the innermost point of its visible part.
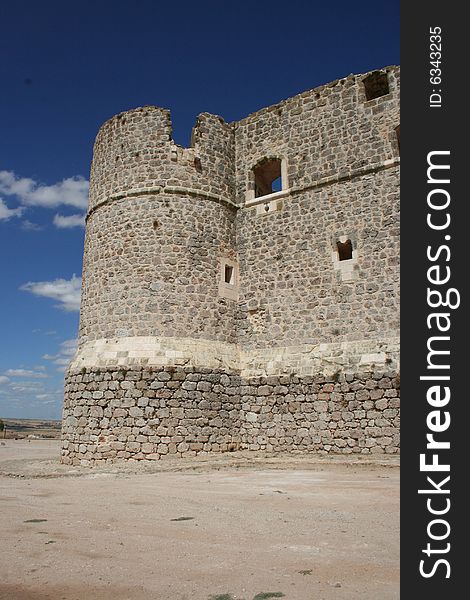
(376, 85)
(228, 274)
(344, 250)
(267, 177)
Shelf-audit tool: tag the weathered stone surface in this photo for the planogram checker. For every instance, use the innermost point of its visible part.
(259, 420)
(212, 319)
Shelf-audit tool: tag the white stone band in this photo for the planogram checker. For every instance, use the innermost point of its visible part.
(305, 359)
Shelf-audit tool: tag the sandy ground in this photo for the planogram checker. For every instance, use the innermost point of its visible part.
(227, 527)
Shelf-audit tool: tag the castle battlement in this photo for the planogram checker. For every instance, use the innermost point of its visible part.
(242, 292)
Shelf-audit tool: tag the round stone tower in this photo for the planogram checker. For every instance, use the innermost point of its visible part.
(158, 294)
(179, 353)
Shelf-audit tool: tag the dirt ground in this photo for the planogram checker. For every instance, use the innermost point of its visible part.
(227, 527)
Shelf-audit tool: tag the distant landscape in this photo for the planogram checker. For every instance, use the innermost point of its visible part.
(32, 428)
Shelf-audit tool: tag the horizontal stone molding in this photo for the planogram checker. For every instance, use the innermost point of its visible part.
(155, 351)
(170, 189)
(302, 359)
(158, 189)
(324, 359)
(330, 180)
(354, 174)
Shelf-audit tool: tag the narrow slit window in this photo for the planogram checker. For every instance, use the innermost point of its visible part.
(376, 85)
(397, 132)
(228, 274)
(198, 164)
(344, 250)
(267, 177)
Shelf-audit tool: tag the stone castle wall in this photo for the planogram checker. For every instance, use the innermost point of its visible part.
(325, 134)
(134, 153)
(154, 234)
(150, 270)
(145, 414)
(299, 352)
(343, 180)
(293, 290)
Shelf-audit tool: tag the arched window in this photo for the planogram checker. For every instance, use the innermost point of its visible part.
(268, 177)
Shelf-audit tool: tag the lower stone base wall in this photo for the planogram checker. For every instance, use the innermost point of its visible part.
(351, 414)
(141, 414)
(146, 414)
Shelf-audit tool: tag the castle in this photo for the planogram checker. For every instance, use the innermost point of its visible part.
(242, 293)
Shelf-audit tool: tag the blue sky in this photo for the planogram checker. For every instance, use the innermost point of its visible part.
(66, 67)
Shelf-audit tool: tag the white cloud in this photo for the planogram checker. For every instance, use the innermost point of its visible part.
(25, 373)
(66, 291)
(52, 332)
(72, 191)
(29, 226)
(3, 379)
(66, 222)
(49, 397)
(27, 386)
(31, 398)
(7, 213)
(67, 348)
(66, 351)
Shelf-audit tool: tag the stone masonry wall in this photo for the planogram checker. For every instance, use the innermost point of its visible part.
(292, 291)
(134, 153)
(331, 131)
(345, 414)
(144, 414)
(213, 320)
(342, 181)
(159, 223)
(152, 268)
